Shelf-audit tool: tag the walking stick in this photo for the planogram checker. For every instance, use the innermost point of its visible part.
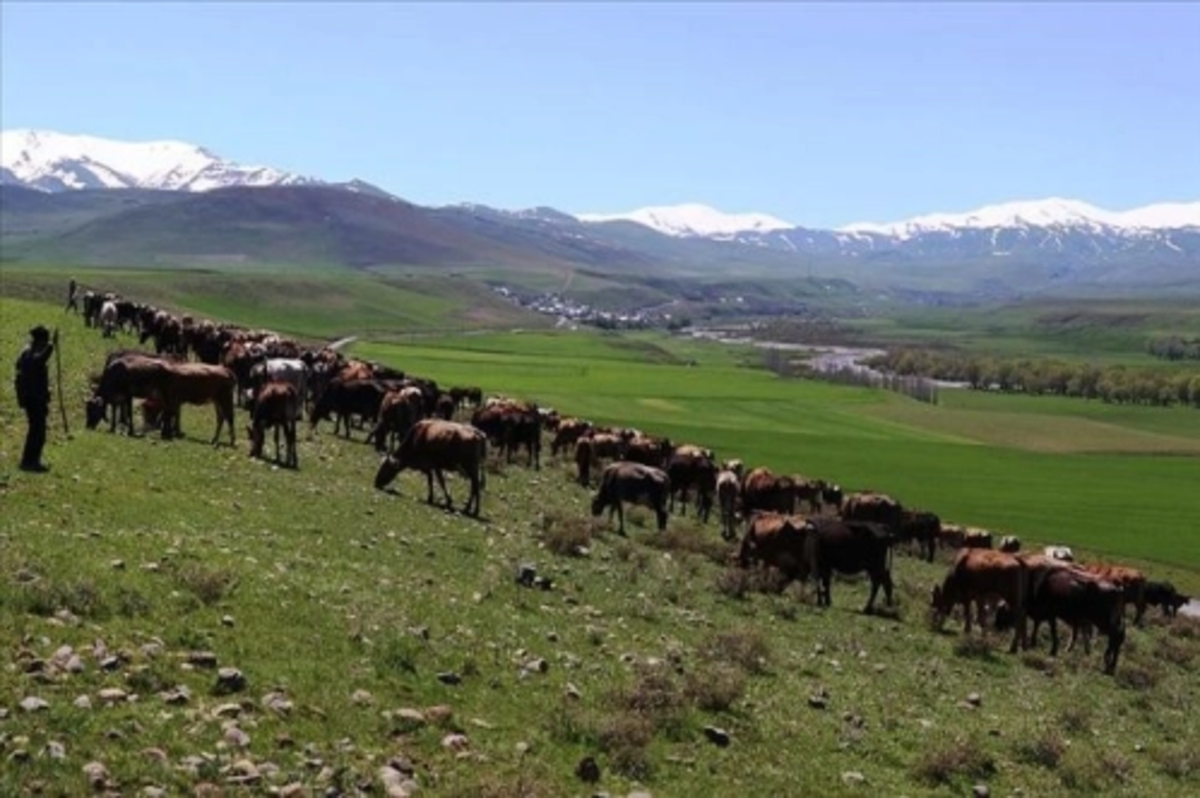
(62, 408)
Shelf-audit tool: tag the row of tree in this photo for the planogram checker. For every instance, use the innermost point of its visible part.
(1174, 348)
(1116, 383)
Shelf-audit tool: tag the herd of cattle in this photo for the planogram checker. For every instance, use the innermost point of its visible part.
(797, 525)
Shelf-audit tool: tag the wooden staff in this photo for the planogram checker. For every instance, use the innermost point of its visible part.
(62, 408)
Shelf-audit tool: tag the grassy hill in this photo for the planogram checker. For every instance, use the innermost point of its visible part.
(346, 609)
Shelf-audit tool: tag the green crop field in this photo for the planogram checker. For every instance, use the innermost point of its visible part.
(379, 637)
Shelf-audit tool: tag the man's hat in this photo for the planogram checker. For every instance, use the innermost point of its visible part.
(40, 333)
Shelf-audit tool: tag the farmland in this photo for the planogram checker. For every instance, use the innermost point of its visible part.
(342, 605)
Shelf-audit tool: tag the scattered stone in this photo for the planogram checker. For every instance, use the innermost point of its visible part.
(151, 791)
(439, 714)
(230, 680)
(537, 665)
(155, 755)
(717, 736)
(244, 772)
(227, 620)
(19, 755)
(96, 774)
(236, 738)
(974, 699)
(277, 702)
(227, 711)
(83, 702)
(362, 698)
(118, 565)
(455, 742)
(852, 778)
(202, 659)
(112, 695)
(56, 750)
(410, 718)
(526, 573)
(292, 790)
(179, 695)
(402, 764)
(33, 704)
(817, 701)
(981, 791)
(572, 692)
(449, 677)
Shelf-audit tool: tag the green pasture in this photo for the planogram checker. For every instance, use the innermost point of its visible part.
(342, 606)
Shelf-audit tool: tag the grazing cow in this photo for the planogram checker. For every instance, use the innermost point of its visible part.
(198, 384)
(922, 527)
(649, 451)
(1010, 544)
(908, 526)
(692, 467)
(510, 425)
(1131, 580)
(729, 488)
(777, 541)
(125, 378)
(982, 576)
(1056, 591)
(276, 406)
(809, 492)
(762, 490)
(433, 446)
(625, 481)
(850, 547)
(1165, 596)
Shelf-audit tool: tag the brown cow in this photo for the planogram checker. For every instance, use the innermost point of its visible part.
(591, 448)
(198, 384)
(778, 541)
(125, 378)
(649, 451)
(762, 490)
(398, 411)
(624, 481)
(277, 406)
(1131, 580)
(691, 467)
(569, 431)
(983, 576)
(435, 445)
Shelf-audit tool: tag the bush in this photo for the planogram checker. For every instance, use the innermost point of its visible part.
(941, 765)
(715, 689)
(745, 649)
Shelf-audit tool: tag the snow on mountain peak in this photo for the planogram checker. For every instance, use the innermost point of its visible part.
(693, 219)
(58, 161)
(1053, 212)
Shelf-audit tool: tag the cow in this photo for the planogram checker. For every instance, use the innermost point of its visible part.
(510, 425)
(398, 411)
(445, 406)
(649, 451)
(692, 467)
(344, 398)
(809, 492)
(1165, 596)
(625, 481)
(778, 541)
(125, 378)
(762, 490)
(923, 527)
(1010, 544)
(907, 525)
(108, 318)
(1056, 591)
(1130, 579)
(290, 370)
(728, 491)
(982, 576)
(198, 384)
(569, 431)
(433, 446)
(850, 547)
(276, 406)
(590, 449)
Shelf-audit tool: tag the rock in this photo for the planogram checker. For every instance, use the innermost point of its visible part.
(717, 736)
(83, 702)
(202, 659)
(449, 677)
(56, 750)
(74, 664)
(439, 714)
(981, 791)
(155, 755)
(587, 770)
(526, 572)
(180, 695)
(817, 701)
(852, 778)
(227, 711)
(112, 695)
(230, 680)
(277, 702)
(111, 663)
(974, 699)
(572, 691)
(410, 718)
(118, 565)
(537, 665)
(96, 775)
(227, 620)
(236, 738)
(455, 742)
(33, 704)
(362, 698)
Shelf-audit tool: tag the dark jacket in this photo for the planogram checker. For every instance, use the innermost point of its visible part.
(33, 377)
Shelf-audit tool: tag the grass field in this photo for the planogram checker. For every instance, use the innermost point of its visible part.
(341, 605)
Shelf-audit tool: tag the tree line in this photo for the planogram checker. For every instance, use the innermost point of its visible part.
(1174, 347)
(1116, 384)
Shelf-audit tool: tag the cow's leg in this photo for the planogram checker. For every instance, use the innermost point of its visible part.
(429, 481)
(875, 582)
(441, 478)
(620, 517)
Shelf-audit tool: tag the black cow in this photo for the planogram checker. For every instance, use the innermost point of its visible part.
(624, 481)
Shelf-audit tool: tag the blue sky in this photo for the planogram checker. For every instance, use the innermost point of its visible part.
(820, 114)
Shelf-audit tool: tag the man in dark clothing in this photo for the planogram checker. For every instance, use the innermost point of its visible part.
(72, 296)
(33, 394)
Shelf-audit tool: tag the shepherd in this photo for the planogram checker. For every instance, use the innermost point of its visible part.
(33, 395)
(72, 297)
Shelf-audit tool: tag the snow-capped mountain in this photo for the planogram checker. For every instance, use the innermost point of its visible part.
(1048, 213)
(693, 219)
(53, 161)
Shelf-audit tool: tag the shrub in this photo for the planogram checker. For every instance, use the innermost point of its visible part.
(1046, 750)
(746, 649)
(565, 535)
(715, 689)
(941, 765)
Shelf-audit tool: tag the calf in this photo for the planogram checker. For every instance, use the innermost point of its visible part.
(275, 407)
(625, 481)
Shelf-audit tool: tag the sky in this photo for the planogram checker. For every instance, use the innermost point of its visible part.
(821, 114)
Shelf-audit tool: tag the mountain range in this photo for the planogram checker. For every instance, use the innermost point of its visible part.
(97, 200)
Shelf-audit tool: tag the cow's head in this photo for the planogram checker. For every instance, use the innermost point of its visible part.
(597, 504)
(942, 601)
(94, 410)
(389, 468)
